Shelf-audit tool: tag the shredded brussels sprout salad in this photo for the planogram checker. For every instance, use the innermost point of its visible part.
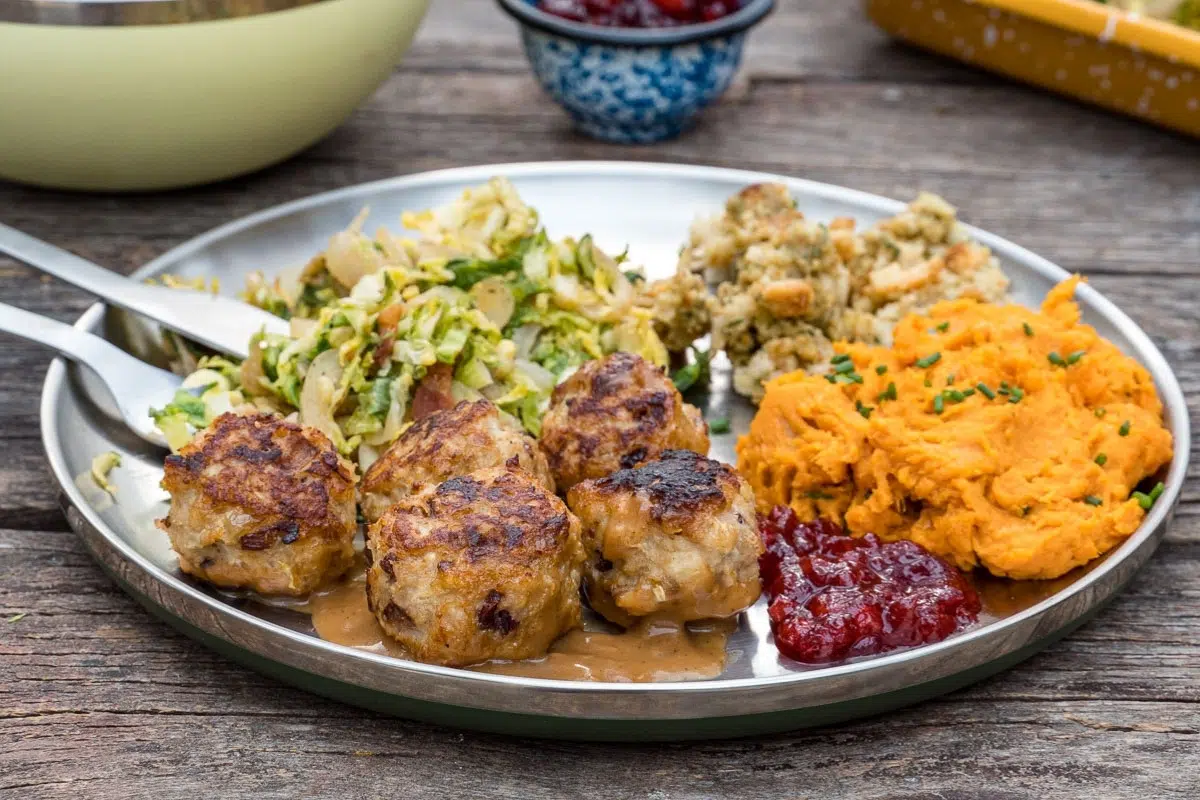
(481, 303)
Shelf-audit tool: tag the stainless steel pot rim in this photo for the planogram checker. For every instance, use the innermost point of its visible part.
(1167, 384)
(127, 13)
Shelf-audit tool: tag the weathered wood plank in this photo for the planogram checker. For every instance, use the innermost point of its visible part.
(97, 699)
(813, 40)
(1004, 750)
(997, 152)
(92, 649)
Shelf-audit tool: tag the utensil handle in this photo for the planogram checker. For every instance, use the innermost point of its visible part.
(110, 286)
(221, 323)
(71, 342)
(135, 385)
(70, 268)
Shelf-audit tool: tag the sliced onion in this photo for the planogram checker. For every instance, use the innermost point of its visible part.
(252, 371)
(367, 455)
(393, 423)
(525, 338)
(301, 327)
(494, 391)
(350, 256)
(622, 290)
(206, 378)
(566, 290)
(319, 395)
(460, 391)
(493, 297)
(393, 249)
(542, 378)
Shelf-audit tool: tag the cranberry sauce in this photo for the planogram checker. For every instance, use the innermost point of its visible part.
(834, 597)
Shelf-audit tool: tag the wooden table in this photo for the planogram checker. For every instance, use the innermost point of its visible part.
(99, 700)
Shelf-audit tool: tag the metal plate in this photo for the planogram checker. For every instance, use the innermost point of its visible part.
(649, 207)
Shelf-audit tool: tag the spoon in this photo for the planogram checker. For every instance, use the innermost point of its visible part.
(222, 323)
(135, 385)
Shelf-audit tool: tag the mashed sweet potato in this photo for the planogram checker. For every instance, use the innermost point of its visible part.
(994, 435)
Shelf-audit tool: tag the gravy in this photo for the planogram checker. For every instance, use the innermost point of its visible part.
(654, 650)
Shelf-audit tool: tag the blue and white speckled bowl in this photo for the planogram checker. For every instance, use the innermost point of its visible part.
(634, 85)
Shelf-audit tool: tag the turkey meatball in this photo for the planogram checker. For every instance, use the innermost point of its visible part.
(613, 414)
(458, 440)
(674, 537)
(263, 504)
(482, 566)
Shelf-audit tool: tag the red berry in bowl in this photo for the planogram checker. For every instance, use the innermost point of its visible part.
(640, 13)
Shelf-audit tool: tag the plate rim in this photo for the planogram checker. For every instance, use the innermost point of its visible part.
(1175, 414)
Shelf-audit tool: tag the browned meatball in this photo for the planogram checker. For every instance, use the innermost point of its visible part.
(674, 537)
(263, 504)
(458, 440)
(613, 414)
(482, 566)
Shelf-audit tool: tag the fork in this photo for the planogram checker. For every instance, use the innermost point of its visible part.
(136, 386)
(222, 323)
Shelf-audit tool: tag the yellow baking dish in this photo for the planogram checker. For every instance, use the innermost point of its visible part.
(1082, 48)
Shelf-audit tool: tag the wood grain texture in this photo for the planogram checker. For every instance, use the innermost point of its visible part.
(98, 700)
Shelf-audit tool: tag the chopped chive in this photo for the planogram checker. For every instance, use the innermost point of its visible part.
(818, 495)
(1016, 395)
(855, 377)
(945, 326)
(929, 360)
(1028, 329)
(831, 378)
(887, 394)
(985, 390)
(1125, 428)
(844, 366)
(1146, 500)
(968, 392)
(1101, 459)
(954, 396)
(1073, 358)
(950, 379)
(1092, 500)
(864, 410)
(939, 404)
(928, 382)
(1002, 390)
(1099, 412)
(881, 369)
(1055, 359)
(839, 358)
(720, 425)
(842, 378)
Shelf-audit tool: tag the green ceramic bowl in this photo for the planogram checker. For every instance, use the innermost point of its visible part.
(159, 94)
